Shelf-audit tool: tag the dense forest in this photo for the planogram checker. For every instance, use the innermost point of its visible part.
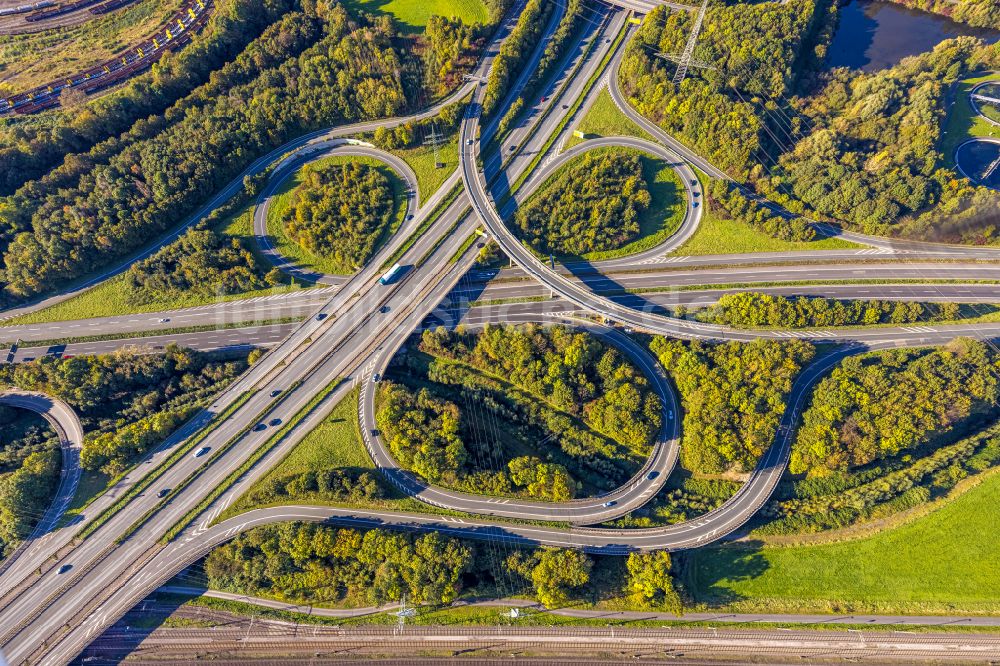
(592, 205)
(868, 151)
(306, 563)
(340, 211)
(315, 66)
(733, 396)
(242, 37)
(576, 415)
(978, 13)
(862, 148)
(201, 262)
(29, 472)
(127, 403)
(755, 51)
(854, 417)
(113, 206)
(99, 206)
(750, 309)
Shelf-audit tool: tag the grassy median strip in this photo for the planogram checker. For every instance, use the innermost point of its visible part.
(152, 333)
(443, 237)
(509, 301)
(160, 469)
(422, 229)
(466, 244)
(215, 456)
(577, 103)
(254, 458)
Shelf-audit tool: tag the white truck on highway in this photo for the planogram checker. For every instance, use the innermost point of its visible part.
(392, 274)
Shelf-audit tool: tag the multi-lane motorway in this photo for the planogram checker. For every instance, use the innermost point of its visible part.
(62, 591)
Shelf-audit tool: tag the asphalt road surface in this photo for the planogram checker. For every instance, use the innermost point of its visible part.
(48, 613)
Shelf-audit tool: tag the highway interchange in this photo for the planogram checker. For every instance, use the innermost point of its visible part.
(350, 329)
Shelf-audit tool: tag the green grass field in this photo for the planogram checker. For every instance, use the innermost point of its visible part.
(962, 123)
(334, 443)
(716, 235)
(283, 199)
(945, 562)
(412, 15)
(603, 119)
(421, 160)
(92, 485)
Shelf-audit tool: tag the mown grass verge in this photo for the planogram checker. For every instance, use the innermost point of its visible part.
(605, 119)
(944, 562)
(151, 333)
(717, 234)
(424, 160)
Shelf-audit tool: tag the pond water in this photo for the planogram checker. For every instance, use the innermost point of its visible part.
(875, 35)
(980, 161)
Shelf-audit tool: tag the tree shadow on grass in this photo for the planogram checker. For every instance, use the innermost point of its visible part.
(708, 572)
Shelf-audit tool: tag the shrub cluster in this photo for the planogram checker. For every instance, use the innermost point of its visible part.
(855, 416)
(750, 309)
(199, 262)
(733, 396)
(441, 419)
(306, 563)
(593, 205)
(880, 490)
(738, 207)
(340, 211)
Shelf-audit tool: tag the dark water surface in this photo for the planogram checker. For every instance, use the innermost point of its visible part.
(980, 161)
(875, 35)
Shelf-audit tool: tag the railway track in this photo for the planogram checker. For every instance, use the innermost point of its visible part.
(265, 640)
(137, 58)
